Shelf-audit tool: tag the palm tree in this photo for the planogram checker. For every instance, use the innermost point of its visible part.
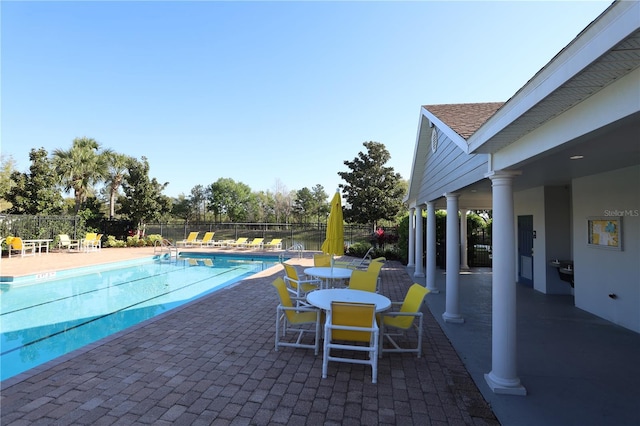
(80, 167)
(117, 166)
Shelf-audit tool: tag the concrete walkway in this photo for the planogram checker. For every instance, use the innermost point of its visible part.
(578, 369)
(212, 362)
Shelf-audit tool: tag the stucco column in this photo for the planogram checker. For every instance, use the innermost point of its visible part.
(452, 304)
(503, 378)
(419, 271)
(464, 263)
(431, 247)
(412, 232)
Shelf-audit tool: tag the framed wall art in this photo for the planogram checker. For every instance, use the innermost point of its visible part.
(605, 232)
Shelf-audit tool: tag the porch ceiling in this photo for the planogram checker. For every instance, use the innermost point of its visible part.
(616, 63)
(609, 148)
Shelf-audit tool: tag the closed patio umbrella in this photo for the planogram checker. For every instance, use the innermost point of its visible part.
(334, 241)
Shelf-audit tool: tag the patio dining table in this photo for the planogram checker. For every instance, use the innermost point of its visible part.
(322, 298)
(328, 274)
(40, 243)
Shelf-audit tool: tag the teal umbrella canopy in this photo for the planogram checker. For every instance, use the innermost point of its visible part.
(334, 241)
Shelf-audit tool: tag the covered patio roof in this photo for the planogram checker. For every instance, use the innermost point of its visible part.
(585, 102)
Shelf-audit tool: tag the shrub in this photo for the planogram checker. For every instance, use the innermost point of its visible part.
(133, 241)
(113, 242)
(153, 239)
(358, 249)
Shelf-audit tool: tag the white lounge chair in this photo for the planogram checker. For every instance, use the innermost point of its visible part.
(65, 242)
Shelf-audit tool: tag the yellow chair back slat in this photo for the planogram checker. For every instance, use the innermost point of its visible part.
(363, 280)
(375, 266)
(292, 273)
(353, 315)
(16, 243)
(321, 260)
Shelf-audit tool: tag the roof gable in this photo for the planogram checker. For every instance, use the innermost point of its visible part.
(464, 119)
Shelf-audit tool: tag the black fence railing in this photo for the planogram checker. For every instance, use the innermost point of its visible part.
(32, 227)
(311, 236)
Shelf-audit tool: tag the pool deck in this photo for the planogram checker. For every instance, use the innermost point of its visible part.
(212, 362)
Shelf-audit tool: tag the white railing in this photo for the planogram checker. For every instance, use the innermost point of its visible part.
(165, 245)
(296, 247)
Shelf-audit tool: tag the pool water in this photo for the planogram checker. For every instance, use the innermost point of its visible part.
(43, 319)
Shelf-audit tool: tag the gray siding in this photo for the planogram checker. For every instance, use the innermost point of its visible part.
(449, 168)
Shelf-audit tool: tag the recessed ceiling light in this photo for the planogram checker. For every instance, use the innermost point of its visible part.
(576, 157)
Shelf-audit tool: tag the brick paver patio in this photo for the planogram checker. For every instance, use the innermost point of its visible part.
(213, 362)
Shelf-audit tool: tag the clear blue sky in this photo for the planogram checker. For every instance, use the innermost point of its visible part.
(261, 92)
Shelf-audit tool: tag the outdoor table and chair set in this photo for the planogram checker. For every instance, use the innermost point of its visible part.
(360, 324)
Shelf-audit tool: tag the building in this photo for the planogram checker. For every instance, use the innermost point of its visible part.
(559, 166)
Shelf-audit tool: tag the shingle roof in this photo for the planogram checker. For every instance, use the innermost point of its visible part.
(464, 119)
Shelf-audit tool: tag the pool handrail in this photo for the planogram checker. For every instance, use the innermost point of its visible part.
(298, 247)
(165, 245)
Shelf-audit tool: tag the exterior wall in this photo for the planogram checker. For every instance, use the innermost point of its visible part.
(601, 272)
(449, 168)
(551, 210)
(557, 232)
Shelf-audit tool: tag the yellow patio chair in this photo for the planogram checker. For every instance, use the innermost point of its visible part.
(240, 242)
(98, 241)
(65, 242)
(190, 240)
(296, 319)
(207, 240)
(275, 243)
(16, 244)
(91, 241)
(321, 260)
(401, 321)
(256, 243)
(375, 267)
(363, 280)
(351, 327)
(297, 285)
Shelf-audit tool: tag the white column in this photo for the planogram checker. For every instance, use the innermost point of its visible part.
(431, 247)
(452, 303)
(412, 233)
(419, 271)
(503, 378)
(464, 262)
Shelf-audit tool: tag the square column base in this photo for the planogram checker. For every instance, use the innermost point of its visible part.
(452, 318)
(503, 389)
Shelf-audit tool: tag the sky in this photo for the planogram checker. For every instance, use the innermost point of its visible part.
(276, 95)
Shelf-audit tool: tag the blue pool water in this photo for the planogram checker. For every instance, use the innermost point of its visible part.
(45, 317)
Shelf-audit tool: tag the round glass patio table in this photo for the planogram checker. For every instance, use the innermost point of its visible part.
(322, 298)
(328, 274)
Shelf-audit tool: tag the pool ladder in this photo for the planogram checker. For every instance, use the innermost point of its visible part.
(166, 246)
(296, 247)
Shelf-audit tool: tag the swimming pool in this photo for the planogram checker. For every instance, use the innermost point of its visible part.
(42, 318)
